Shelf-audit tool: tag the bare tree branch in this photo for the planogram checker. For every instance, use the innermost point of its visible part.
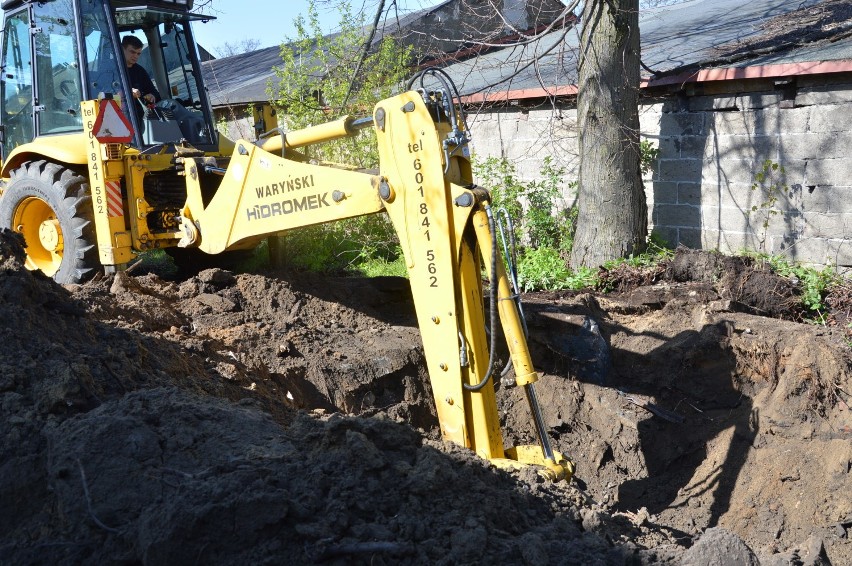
(365, 50)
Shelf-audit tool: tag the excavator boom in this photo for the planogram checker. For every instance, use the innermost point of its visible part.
(92, 178)
(444, 225)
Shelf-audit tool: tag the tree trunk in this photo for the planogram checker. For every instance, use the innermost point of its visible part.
(613, 212)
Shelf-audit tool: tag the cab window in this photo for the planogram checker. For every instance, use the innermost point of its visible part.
(57, 69)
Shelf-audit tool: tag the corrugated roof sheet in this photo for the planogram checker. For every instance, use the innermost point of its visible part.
(243, 78)
(240, 78)
(690, 35)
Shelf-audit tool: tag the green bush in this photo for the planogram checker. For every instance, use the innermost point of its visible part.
(340, 247)
(814, 283)
(542, 268)
(545, 232)
(532, 206)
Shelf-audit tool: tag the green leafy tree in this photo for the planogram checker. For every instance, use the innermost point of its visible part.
(317, 83)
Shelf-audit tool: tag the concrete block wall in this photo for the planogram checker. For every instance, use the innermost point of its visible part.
(704, 192)
(526, 138)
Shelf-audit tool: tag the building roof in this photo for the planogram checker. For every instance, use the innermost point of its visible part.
(693, 40)
(240, 79)
(696, 40)
(449, 26)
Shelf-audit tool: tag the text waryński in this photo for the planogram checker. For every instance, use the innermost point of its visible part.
(288, 185)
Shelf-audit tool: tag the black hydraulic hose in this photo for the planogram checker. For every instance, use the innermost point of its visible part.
(451, 89)
(493, 307)
(511, 253)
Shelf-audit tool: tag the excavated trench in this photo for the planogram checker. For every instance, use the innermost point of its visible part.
(277, 418)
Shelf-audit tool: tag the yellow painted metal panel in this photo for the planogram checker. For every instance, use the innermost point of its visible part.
(113, 244)
(263, 194)
(68, 148)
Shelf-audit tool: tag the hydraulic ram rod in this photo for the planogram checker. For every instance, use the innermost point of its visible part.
(342, 128)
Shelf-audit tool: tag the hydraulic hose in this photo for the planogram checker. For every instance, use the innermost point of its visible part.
(492, 294)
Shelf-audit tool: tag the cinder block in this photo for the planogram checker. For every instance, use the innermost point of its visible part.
(764, 122)
(560, 132)
(710, 194)
(713, 103)
(540, 115)
(817, 251)
(792, 120)
(669, 146)
(754, 147)
(827, 145)
(729, 195)
(789, 225)
(689, 193)
(730, 171)
(480, 116)
(817, 198)
(682, 124)
(759, 100)
(507, 128)
(827, 199)
(823, 96)
(689, 237)
(528, 169)
(484, 147)
(485, 129)
(532, 149)
(794, 170)
(827, 225)
(680, 170)
(833, 118)
(664, 192)
(724, 219)
(650, 107)
(649, 121)
(673, 105)
(667, 234)
(676, 215)
(692, 147)
(731, 123)
(727, 242)
(836, 172)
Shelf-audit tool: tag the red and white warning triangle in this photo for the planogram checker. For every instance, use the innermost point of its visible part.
(111, 125)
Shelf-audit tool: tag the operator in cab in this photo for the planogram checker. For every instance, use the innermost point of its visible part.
(141, 84)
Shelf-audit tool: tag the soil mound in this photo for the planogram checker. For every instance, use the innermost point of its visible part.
(266, 419)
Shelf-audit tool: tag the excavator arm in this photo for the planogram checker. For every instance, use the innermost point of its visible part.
(445, 228)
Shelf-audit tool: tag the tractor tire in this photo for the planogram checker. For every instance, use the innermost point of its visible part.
(51, 207)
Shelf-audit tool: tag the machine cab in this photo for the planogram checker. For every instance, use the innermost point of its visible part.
(57, 53)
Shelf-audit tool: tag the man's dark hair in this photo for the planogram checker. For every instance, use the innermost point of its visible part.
(132, 41)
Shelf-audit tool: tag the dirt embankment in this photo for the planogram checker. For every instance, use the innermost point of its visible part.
(261, 419)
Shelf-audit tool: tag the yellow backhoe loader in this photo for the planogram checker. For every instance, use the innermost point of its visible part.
(92, 176)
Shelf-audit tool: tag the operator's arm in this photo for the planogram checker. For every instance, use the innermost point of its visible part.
(140, 80)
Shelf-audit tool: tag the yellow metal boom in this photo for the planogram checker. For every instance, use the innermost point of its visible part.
(445, 229)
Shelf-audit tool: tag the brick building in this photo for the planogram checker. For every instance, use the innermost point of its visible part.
(728, 86)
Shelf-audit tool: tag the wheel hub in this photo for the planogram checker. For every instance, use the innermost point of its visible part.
(42, 232)
(50, 235)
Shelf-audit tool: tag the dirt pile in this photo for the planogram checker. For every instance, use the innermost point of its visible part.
(260, 419)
